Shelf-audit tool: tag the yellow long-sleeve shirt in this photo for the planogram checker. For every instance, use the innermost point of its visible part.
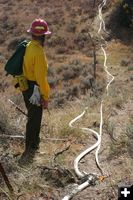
(35, 67)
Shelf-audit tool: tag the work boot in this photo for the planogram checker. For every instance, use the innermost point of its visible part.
(27, 157)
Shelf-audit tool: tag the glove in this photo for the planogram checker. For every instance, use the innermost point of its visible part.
(44, 104)
(35, 99)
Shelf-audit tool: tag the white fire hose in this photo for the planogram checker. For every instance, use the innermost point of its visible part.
(97, 145)
(88, 150)
(91, 177)
(110, 77)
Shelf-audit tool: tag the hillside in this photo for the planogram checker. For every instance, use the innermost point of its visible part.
(70, 53)
(66, 48)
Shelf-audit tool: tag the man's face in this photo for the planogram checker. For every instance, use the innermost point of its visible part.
(42, 39)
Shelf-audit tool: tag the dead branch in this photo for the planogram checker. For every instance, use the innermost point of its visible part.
(56, 139)
(6, 178)
(6, 194)
(60, 152)
(11, 136)
(23, 137)
(17, 108)
(20, 195)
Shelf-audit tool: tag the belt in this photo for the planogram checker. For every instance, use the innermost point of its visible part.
(31, 83)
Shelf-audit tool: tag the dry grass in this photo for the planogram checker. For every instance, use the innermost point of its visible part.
(57, 122)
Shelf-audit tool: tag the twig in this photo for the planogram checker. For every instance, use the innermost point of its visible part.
(22, 137)
(23, 112)
(56, 139)
(20, 195)
(6, 178)
(60, 152)
(6, 193)
(17, 107)
(11, 136)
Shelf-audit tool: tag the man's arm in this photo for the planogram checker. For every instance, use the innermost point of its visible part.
(41, 68)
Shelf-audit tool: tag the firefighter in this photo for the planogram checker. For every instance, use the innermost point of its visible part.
(36, 97)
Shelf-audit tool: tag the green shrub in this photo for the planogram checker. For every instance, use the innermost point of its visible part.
(69, 74)
(110, 128)
(72, 92)
(129, 131)
(62, 68)
(56, 40)
(86, 83)
(117, 149)
(60, 98)
(62, 50)
(53, 81)
(125, 62)
(130, 148)
(4, 121)
(51, 71)
(129, 142)
(130, 68)
(71, 27)
(81, 40)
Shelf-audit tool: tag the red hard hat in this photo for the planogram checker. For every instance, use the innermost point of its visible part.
(39, 27)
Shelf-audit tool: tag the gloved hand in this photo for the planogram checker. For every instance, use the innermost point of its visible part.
(35, 99)
(44, 103)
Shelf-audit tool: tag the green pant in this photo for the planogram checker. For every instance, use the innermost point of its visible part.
(33, 123)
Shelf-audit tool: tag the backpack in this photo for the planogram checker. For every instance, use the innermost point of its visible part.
(14, 65)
